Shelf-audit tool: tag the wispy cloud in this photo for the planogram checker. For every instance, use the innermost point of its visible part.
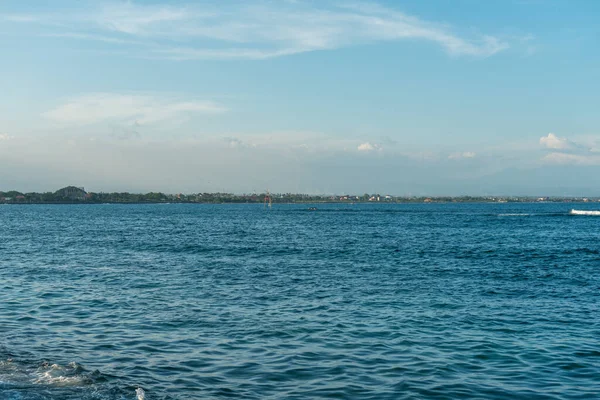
(93, 37)
(137, 109)
(261, 30)
(19, 18)
(237, 143)
(142, 20)
(571, 159)
(463, 155)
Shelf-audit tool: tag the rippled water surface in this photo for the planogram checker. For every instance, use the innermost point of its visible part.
(452, 301)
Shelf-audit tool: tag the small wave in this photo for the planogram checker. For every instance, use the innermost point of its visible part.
(70, 375)
(515, 215)
(585, 212)
(20, 379)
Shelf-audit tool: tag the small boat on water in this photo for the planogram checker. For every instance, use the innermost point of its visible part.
(584, 212)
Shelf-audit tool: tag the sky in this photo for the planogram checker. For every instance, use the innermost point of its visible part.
(412, 97)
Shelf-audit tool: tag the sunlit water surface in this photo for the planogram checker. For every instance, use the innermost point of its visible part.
(455, 301)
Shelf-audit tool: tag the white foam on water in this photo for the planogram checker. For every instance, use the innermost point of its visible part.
(514, 215)
(58, 375)
(585, 212)
(22, 381)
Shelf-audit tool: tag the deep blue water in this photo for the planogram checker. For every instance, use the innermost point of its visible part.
(449, 301)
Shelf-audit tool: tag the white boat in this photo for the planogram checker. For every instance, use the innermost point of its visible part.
(584, 212)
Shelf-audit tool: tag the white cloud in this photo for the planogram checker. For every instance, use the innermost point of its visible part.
(457, 156)
(366, 147)
(19, 18)
(551, 141)
(566, 151)
(139, 109)
(257, 31)
(4, 136)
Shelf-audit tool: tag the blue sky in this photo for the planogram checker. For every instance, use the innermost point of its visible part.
(400, 97)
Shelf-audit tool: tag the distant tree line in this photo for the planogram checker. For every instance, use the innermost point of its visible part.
(74, 195)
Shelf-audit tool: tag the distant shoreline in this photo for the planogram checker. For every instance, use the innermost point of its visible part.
(565, 201)
(78, 195)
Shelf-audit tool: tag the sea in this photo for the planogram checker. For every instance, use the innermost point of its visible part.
(344, 301)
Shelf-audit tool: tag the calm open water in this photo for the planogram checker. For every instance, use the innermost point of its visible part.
(454, 301)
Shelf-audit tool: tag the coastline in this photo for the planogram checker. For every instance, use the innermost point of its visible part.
(78, 195)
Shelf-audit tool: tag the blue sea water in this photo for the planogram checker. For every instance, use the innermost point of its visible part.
(425, 301)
